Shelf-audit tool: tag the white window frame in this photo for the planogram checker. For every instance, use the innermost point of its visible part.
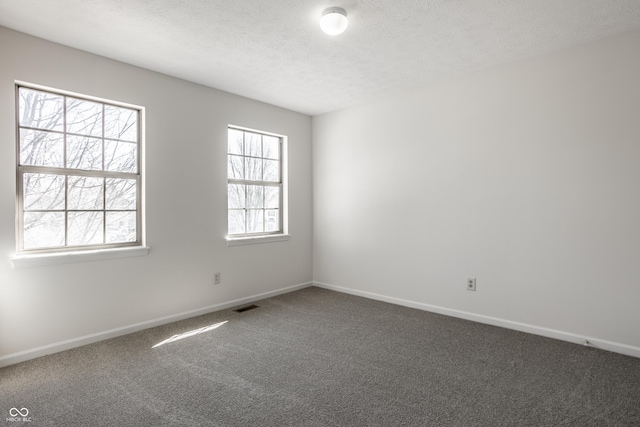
(70, 253)
(266, 236)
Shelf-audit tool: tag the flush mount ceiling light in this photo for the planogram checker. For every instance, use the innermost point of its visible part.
(334, 20)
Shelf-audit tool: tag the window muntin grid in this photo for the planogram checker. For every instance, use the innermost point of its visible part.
(254, 183)
(78, 172)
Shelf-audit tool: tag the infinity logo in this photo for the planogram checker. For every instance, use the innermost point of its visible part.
(14, 412)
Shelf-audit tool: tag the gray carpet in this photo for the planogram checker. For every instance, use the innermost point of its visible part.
(321, 358)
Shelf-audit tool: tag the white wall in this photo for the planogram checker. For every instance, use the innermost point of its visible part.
(185, 206)
(525, 176)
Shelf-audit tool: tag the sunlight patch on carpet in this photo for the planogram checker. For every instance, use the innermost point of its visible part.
(190, 333)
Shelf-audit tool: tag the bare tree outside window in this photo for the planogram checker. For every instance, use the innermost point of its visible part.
(78, 172)
(254, 178)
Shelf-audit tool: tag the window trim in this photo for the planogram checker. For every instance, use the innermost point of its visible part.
(56, 258)
(75, 253)
(250, 240)
(271, 236)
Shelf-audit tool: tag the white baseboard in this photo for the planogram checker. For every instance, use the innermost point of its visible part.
(22, 356)
(508, 324)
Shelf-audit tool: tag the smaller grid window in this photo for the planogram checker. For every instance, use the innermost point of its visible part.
(79, 180)
(254, 181)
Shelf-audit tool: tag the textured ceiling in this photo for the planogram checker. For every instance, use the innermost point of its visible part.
(274, 51)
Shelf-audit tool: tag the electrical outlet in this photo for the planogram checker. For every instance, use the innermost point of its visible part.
(216, 279)
(471, 284)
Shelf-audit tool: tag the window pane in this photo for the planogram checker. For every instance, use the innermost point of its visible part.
(43, 229)
(236, 221)
(121, 227)
(255, 196)
(41, 110)
(252, 144)
(120, 123)
(254, 209)
(237, 196)
(253, 169)
(84, 117)
(271, 170)
(39, 148)
(90, 143)
(121, 194)
(271, 147)
(255, 221)
(235, 167)
(85, 228)
(43, 192)
(235, 141)
(271, 220)
(272, 197)
(84, 153)
(120, 156)
(85, 192)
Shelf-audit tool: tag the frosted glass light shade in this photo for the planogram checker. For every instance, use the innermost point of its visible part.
(334, 20)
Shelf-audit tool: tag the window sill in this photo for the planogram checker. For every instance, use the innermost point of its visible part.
(235, 241)
(38, 260)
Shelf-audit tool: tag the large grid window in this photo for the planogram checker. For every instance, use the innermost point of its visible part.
(78, 165)
(254, 175)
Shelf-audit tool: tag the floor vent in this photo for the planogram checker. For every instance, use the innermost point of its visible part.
(247, 308)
